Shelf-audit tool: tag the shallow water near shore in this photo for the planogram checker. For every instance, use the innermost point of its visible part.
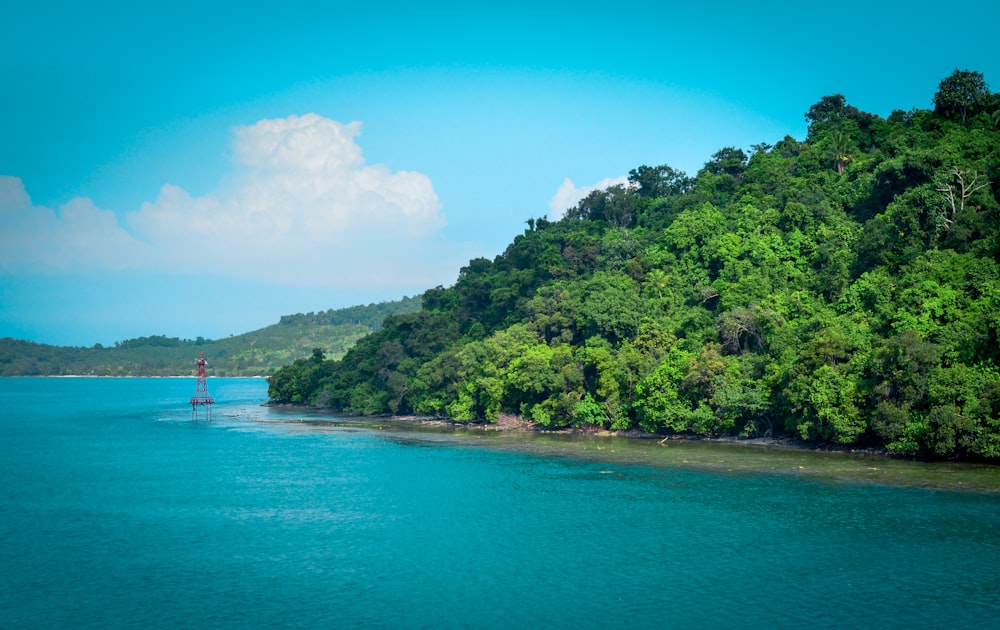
(741, 457)
(119, 511)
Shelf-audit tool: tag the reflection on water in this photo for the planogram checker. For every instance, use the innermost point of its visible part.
(724, 457)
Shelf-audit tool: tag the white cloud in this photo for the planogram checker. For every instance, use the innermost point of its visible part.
(79, 236)
(302, 208)
(568, 194)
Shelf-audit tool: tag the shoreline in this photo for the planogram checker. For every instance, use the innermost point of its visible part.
(513, 424)
(718, 455)
(508, 424)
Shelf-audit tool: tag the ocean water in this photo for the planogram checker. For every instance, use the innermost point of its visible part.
(118, 511)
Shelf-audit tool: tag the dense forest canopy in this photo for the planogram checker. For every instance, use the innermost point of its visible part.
(843, 288)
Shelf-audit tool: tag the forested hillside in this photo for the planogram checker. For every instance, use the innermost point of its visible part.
(256, 353)
(842, 288)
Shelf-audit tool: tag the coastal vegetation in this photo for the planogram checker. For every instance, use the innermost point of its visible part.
(256, 353)
(843, 288)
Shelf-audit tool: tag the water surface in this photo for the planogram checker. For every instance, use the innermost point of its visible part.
(118, 511)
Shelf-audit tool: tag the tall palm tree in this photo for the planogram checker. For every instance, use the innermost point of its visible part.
(839, 142)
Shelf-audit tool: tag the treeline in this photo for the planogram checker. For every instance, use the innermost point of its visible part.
(844, 288)
(156, 341)
(256, 353)
(370, 316)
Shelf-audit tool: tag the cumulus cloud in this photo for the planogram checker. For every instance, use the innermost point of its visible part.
(303, 207)
(78, 236)
(568, 194)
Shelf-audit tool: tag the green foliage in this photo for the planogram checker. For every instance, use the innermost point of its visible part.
(962, 94)
(257, 353)
(660, 181)
(299, 381)
(833, 112)
(617, 206)
(727, 161)
(841, 289)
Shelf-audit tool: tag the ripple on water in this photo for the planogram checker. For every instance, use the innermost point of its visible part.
(260, 519)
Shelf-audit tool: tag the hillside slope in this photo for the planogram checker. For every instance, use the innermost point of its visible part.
(843, 288)
(256, 353)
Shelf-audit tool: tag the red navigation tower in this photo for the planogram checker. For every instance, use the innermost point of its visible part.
(201, 397)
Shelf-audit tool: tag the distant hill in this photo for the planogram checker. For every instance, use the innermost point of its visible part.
(256, 353)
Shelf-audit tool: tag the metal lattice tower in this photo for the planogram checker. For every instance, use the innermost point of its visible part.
(201, 398)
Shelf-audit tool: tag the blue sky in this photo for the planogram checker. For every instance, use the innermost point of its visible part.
(200, 169)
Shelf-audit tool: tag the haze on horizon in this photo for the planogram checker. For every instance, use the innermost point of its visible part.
(204, 169)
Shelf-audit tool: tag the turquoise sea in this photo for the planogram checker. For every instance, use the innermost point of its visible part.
(118, 511)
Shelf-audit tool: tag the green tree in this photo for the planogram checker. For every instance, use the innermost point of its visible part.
(660, 181)
(299, 382)
(659, 398)
(727, 161)
(841, 289)
(839, 148)
(832, 111)
(962, 94)
(828, 109)
(616, 206)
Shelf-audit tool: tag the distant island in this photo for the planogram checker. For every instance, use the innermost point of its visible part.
(256, 353)
(839, 289)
